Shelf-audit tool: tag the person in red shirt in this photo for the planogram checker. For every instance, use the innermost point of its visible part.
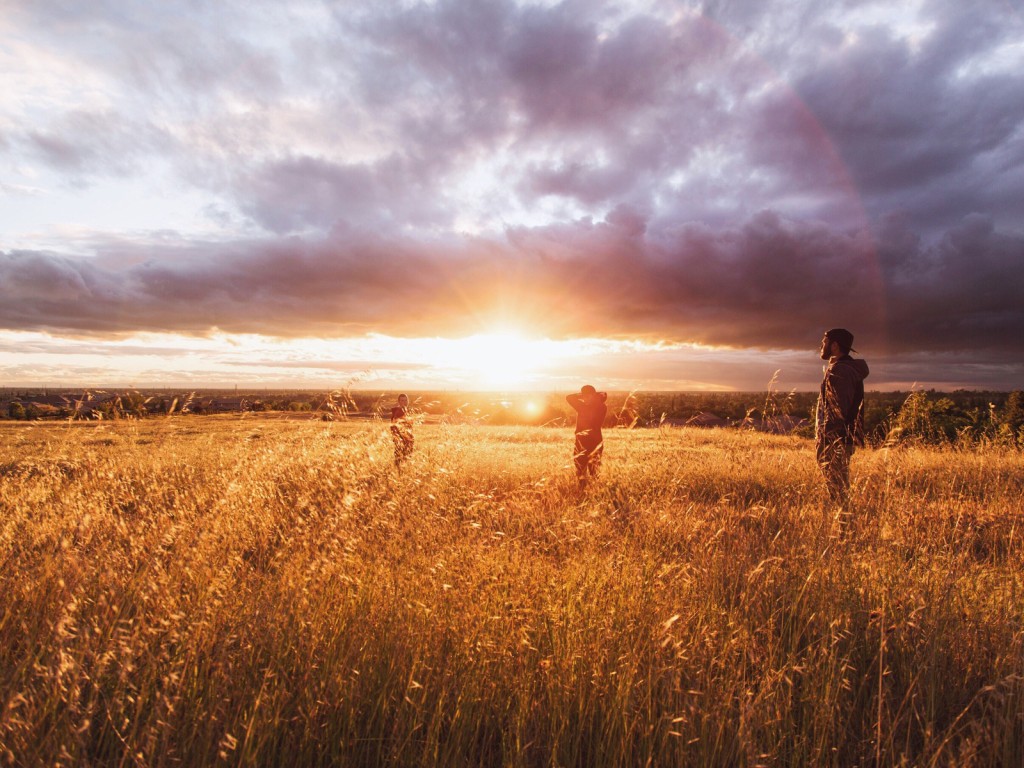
(401, 430)
(591, 410)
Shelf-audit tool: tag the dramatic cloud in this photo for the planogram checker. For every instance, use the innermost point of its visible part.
(769, 283)
(728, 173)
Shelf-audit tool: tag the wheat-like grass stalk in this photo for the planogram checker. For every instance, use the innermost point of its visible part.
(209, 590)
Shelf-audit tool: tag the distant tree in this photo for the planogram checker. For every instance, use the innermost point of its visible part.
(1013, 411)
(945, 419)
(16, 411)
(948, 418)
(1009, 420)
(133, 404)
(913, 420)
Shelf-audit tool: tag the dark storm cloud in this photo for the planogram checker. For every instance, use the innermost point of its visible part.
(573, 106)
(608, 109)
(42, 290)
(965, 292)
(930, 128)
(770, 283)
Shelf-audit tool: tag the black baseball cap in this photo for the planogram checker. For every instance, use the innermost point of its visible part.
(842, 337)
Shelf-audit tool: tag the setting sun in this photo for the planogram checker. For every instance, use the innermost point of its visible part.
(497, 360)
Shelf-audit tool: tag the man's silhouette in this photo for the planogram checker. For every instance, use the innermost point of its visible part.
(839, 418)
(401, 430)
(591, 410)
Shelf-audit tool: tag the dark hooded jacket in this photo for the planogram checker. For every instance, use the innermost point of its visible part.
(590, 417)
(840, 413)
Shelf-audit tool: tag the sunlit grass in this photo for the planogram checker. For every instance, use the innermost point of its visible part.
(197, 590)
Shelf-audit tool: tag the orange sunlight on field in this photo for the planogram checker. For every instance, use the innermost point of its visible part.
(229, 589)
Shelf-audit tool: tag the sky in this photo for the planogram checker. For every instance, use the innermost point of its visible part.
(502, 194)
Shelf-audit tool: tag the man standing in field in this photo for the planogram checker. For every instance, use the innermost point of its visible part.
(839, 418)
(591, 410)
(401, 430)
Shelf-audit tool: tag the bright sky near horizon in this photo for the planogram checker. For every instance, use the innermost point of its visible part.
(502, 194)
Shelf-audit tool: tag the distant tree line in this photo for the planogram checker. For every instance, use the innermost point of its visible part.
(895, 417)
(947, 419)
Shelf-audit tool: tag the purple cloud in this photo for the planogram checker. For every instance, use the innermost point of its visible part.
(770, 283)
(747, 175)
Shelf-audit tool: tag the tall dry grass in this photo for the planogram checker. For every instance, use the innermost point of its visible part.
(197, 591)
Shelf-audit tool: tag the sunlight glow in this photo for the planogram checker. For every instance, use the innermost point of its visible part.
(496, 360)
(503, 360)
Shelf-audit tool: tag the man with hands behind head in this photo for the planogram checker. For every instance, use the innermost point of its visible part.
(591, 410)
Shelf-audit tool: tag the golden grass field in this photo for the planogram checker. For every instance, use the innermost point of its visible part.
(198, 591)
